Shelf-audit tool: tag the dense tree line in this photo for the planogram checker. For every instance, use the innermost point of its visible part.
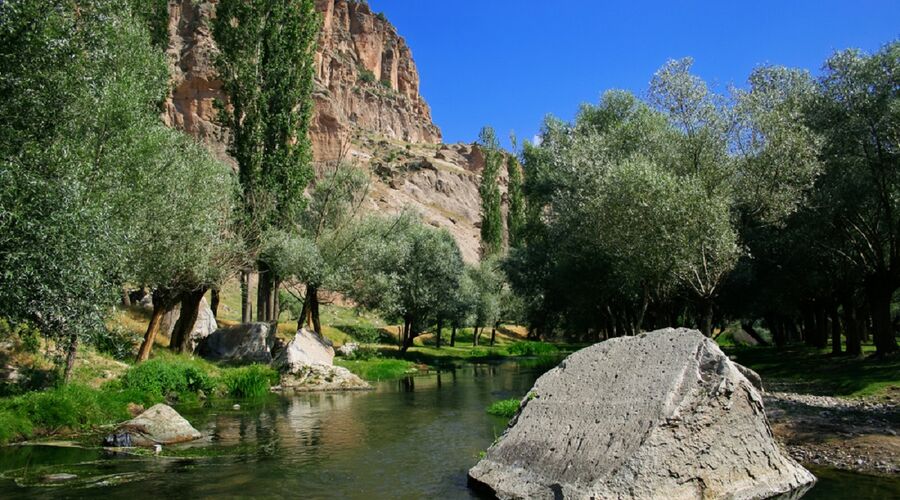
(777, 202)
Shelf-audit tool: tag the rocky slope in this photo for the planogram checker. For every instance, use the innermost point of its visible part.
(368, 110)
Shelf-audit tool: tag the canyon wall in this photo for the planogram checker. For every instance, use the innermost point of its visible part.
(368, 110)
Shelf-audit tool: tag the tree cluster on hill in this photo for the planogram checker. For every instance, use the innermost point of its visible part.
(776, 202)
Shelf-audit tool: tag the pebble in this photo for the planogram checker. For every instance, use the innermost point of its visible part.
(59, 477)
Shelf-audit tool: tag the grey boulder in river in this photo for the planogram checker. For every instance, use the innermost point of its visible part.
(660, 415)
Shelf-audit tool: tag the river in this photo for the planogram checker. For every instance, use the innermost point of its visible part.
(412, 438)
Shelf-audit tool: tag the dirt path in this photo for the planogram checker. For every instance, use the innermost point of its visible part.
(859, 435)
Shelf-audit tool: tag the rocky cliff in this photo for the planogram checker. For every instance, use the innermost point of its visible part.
(368, 110)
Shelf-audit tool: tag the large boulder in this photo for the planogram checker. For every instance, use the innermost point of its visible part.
(158, 425)
(242, 344)
(204, 326)
(306, 348)
(306, 365)
(661, 415)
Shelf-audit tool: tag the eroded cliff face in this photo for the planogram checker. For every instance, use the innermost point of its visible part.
(368, 110)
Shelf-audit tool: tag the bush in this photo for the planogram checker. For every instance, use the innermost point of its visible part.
(156, 379)
(249, 381)
(27, 336)
(506, 408)
(118, 342)
(71, 407)
(363, 353)
(13, 426)
(531, 349)
(366, 76)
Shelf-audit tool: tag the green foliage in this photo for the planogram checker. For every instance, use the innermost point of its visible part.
(118, 342)
(157, 378)
(249, 381)
(365, 75)
(506, 408)
(266, 63)
(491, 216)
(531, 349)
(81, 85)
(516, 216)
(378, 369)
(155, 15)
(24, 333)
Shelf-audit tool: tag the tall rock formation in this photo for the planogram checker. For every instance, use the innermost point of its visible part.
(368, 110)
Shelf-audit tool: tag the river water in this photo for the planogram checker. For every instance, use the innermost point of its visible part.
(413, 438)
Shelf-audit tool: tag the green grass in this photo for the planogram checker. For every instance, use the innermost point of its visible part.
(78, 407)
(377, 369)
(529, 348)
(249, 381)
(807, 370)
(506, 408)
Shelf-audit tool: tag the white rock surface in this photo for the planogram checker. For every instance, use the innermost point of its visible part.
(306, 348)
(158, 425)
(661, 415)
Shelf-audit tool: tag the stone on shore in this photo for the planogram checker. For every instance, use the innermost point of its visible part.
(158, 425)
(306, 365)
(661, 415)
(242, 344)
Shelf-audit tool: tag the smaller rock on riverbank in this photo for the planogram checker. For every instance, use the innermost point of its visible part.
(306, 364)
(158, 425)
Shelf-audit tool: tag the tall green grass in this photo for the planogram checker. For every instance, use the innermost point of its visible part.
(249, 381)
(506, 408)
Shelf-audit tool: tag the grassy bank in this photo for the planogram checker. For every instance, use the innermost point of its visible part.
(814, 371)
(79, 407)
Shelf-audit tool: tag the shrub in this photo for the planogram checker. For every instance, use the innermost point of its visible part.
(13, 426)
(531, 349)
(506, 408)
(155, 379)
(366, 76)
(249, 381)
(118, 342)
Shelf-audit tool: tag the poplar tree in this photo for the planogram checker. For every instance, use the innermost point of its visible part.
(266, 63)
(491, 217)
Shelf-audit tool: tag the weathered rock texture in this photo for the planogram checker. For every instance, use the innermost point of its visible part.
(306, 348)
(368, 110)
(661, 415)
(158, 425)
(242, 344)
(306, 365)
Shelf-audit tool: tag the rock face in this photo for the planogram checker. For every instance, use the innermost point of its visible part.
(242, 344)
(306, 348)
(203, 327)
(366, 78)
(368, 110)
(158, 425)
(661, 415)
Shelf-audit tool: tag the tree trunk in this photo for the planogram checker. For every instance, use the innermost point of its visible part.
(706, 319)
(246, 312)
(493, 334)
(747, 326)
(161, 304)
(453, 336)
(263, 293)
(408, 334)
(276, 301)
(126, 298)
(440, 329)
(475, 337)
(835, 329)
(70, 358)
(821, 333)
(184, 327)
(642, 311)
(851, 328)
(214, 302)
(879, 293)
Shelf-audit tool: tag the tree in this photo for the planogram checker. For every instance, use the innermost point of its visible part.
(516, 217)
(491, 216)
(410, 274)
(858, 116)
(81, 83)
(266, 63)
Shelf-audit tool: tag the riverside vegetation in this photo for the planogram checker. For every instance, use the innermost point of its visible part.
(767, 216)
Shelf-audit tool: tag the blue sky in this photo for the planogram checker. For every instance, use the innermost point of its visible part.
(508, 63)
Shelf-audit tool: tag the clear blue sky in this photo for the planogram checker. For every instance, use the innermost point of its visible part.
(508, 63)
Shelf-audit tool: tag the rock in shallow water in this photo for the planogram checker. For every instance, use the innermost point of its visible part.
(158, 425)
(661, 415)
